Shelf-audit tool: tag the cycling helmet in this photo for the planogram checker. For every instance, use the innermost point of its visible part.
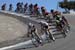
(52, 10)
(30, 24)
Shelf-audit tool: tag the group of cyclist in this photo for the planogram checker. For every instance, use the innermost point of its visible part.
(32, 9)
(61, 24)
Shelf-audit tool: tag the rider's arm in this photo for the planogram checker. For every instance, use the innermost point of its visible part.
(36, 32)
(65, 19)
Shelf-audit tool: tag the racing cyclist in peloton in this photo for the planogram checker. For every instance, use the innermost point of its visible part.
(46, 29)
(61, 22)
(32, 31)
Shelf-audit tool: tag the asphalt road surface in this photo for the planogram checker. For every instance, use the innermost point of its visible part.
(11, 29)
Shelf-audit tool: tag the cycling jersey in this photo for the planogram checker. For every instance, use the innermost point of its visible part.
(58, 17)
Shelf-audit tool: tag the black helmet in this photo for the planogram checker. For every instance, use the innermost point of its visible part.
(52, 10)
(35, 5)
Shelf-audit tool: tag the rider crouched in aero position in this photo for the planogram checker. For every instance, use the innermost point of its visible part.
(46, 29)
(10, 7)
(44, 12)
(61, 22)
(58, 19)
(36, 10)
(3, 7)
(32, 32)
(31, 9)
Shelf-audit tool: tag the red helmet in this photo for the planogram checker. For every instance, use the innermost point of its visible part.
(57, 12)
(46, 13)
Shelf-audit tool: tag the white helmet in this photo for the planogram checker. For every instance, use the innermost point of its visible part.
(46, 24)
(30, 24)
(43, 22)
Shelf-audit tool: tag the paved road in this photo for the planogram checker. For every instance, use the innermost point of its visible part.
(11, 29)
(67, 43)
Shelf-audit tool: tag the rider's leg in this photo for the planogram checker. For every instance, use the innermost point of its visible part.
(63, 29)
(67, 28)
(59, 26)
(51, 36)
(38, 38)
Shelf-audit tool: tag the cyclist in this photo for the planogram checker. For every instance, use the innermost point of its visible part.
(31, 9)
(10, 7)
(46, 29)
(36, 10)
(60, 23)
(33, 33)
